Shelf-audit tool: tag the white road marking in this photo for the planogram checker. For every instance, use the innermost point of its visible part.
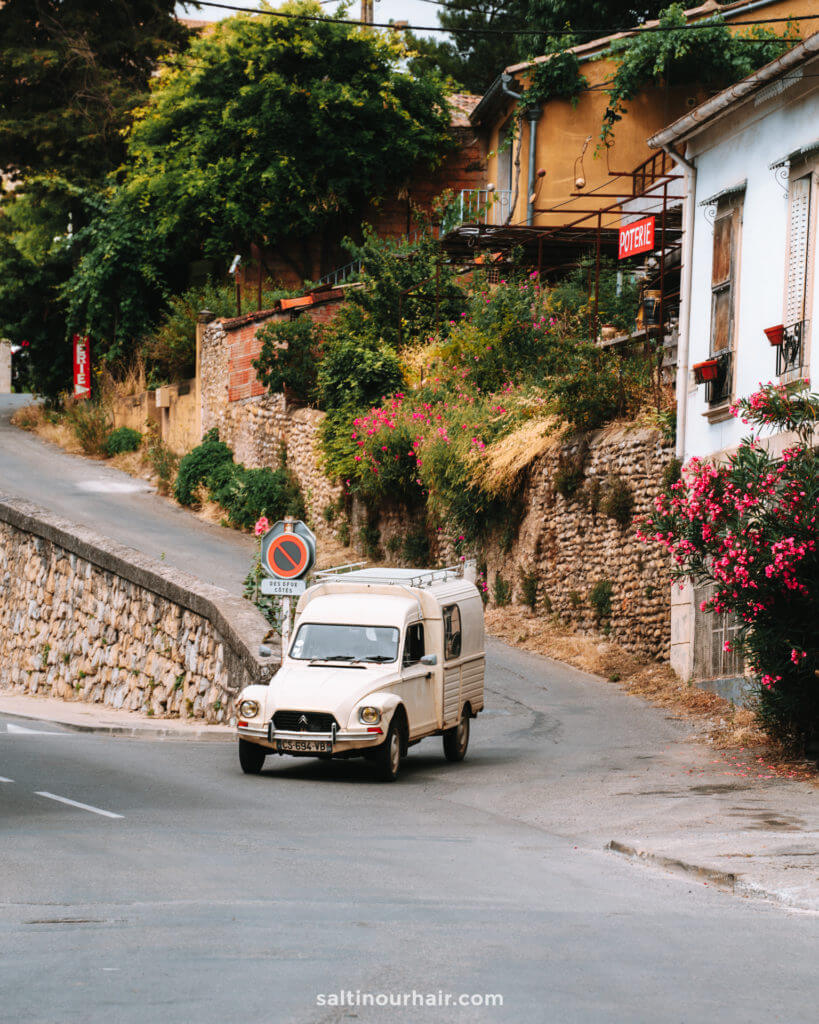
(4, 779)
(76, 803)
(21, 729)
(112, 487)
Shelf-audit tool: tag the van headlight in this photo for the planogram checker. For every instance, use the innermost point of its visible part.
(249, 708)
(369, 716)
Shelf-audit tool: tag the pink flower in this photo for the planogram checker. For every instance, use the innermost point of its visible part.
(262, 526)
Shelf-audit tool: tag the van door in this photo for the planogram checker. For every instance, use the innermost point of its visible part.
(452, 666)
(418, 683)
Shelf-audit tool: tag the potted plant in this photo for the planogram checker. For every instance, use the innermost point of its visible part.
(775, 334)
(705, 371)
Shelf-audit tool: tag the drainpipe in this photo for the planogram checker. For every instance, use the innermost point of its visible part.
(506, 78)
(685, 294)
(533, 116)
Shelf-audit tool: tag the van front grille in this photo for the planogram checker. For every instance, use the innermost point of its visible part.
(304, 721)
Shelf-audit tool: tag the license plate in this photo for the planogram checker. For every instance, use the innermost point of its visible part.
(305, 746)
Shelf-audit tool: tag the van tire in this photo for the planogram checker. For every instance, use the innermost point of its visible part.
(251, 757)
(456, 740)
(387, 756)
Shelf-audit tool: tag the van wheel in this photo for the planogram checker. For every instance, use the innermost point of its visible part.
(251, 757)
(388, 755)
(457, 740)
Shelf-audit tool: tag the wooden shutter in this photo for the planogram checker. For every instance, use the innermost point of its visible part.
(797, 268)
(726, 232)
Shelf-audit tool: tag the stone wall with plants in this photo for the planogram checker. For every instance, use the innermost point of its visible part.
(82, 618)
(568, 546)
(576, 553)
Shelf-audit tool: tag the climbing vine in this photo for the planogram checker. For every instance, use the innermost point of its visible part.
(708, 59)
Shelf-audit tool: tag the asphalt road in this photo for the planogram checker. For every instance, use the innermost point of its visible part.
(214, 896)
(119, 506)
(172, 888)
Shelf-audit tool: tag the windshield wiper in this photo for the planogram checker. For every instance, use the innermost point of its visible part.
(333, 657)
(380, 658)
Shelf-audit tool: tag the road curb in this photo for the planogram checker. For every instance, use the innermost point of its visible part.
(129, 731)
(725, 881)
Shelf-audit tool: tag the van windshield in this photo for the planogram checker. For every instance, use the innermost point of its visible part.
(319, 641)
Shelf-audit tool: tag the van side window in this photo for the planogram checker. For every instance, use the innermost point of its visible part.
(452, 632)
(414, 647)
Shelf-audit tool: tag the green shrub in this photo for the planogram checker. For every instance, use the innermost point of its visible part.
(672, 471)
(123, 439)
(415, 550)
(571, 468)
(618, 503)
(370, 537)
(575, 599)
(354, 373)
(197, 467)
(393, 544)
(90, 424)
(600, 598)
(501, 591)
(529, 583)
(289, 356)
(163, 461)
(343, 533)
(261, 492)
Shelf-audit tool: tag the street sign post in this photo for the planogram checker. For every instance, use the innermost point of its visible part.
(288, 554)
(82, 366)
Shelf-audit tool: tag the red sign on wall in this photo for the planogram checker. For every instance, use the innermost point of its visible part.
(636, 237)
(82, 366)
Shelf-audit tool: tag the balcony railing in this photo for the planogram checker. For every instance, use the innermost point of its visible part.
(339, 276)
(482, 206)
(790, 353)
(719, 389)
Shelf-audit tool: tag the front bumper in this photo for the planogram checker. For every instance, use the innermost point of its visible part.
(336, 741)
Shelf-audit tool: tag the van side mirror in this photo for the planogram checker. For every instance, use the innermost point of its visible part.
(429, 659)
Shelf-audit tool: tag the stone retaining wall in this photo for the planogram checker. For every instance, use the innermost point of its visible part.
(570, 544)
(83, 618)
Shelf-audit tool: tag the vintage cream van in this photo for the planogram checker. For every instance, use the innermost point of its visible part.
(379, 660)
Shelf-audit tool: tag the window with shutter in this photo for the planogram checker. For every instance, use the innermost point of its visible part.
(723, 297)
(791, 355)
(798, 233)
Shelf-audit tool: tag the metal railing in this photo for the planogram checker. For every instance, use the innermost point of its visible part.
(790, 353)
(482, 206)
(340, 275)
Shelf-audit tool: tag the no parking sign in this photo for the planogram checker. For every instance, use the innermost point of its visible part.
(288, 554)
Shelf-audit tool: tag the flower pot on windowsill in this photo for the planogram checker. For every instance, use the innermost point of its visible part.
(705, 371)
(775, 334)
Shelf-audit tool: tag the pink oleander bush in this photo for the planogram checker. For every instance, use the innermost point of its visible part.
(748, 527)
(513, 353)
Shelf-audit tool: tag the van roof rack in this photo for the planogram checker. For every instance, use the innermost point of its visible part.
(355, 572)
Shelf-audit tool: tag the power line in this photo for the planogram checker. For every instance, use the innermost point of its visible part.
(487, 31)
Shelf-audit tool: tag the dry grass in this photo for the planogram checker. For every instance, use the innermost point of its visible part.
(500, 466)
(49, 426)
(721, 724)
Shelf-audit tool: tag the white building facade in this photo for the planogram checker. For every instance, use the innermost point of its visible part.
(751, 159)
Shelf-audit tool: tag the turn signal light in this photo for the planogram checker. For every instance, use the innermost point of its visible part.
(375, 728)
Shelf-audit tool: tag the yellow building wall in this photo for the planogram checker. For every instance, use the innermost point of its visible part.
(563, 129)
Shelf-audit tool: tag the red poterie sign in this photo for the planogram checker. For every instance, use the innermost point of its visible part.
(82, 366)
(636, 237)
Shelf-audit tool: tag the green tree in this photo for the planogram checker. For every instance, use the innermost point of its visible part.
(525, 29)
(269, 129)
(70, 73)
